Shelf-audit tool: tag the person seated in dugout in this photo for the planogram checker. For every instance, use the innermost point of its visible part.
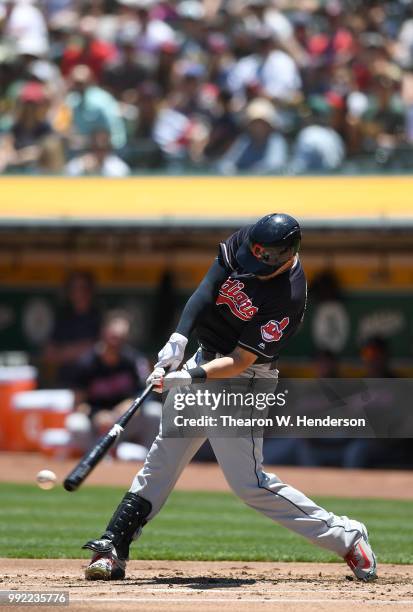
(106, 380)
(76, 329)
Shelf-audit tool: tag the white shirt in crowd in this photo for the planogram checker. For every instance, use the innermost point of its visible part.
(112, 167)
(277, 74)
(27, 27)
(323, 141)
(274, 20)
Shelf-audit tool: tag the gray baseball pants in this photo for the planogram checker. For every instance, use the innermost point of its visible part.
(241, 462)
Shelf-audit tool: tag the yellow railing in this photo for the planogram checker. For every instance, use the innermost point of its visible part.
(203, 199)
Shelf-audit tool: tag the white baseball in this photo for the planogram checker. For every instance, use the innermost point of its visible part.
(46, 479)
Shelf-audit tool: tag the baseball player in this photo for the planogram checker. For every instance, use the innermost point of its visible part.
(244, 312)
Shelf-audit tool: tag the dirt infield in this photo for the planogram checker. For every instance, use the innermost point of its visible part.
(385, 484)
(177, 586)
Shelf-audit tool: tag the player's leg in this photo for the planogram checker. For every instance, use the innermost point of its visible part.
(149, 491)
(241, 462)
(165, 461)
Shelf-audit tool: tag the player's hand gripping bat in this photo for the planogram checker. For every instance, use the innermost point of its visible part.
(92, 457)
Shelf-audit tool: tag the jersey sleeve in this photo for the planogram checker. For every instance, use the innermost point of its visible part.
(229, 247)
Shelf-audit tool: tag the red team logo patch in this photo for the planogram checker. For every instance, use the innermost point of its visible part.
(273, 330)
(238, 302)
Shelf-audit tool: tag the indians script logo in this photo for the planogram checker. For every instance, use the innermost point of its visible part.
(239, 303)
(273, 330)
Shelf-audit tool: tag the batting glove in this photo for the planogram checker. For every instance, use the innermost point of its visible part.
(172, 353)
(163, 383)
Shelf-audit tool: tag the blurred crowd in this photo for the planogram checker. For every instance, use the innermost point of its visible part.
(110, 87)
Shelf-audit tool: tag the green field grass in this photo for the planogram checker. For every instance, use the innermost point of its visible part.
(196, 526)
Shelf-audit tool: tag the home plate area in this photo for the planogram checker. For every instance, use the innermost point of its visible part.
(189, 586)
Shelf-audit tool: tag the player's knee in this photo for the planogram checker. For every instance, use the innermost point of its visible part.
(244, 488)
(252, 489)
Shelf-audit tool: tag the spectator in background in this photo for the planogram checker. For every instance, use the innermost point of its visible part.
(180, 129)
(261, 13)
(270, 69)
(407, 98)
(47, 74)
(87, 50)
(375, 121)
(106, 380)
(76, 328)
(63, 25)
(99, 161)
(172, 133)
(93, 109)
(143, 151)
(153, 32)
(124, 74)
(262, 150)
(23, 24)
(220, 59)
(318, 147)
(31, 144)
(164, 72)
(224, 127)
(56, 7)
(191, 15)
(58, 114)
(353, 57)
(404, 42)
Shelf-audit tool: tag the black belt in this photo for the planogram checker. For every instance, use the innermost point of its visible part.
(210, 355)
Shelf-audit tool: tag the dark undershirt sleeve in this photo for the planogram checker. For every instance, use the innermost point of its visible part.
(202, 297)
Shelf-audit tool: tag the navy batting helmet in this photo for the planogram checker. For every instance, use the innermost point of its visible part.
(271, 242)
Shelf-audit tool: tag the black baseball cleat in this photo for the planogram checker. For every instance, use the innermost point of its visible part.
(111, 551)
(105, 564)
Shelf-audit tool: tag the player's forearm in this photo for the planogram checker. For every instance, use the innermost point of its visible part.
(228, 366)
(223, 367)
(201, 299)
(231, 365)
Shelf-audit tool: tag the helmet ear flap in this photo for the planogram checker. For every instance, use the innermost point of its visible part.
(288, 253)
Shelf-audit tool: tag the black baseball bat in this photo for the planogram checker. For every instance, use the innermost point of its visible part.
(96, 454)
